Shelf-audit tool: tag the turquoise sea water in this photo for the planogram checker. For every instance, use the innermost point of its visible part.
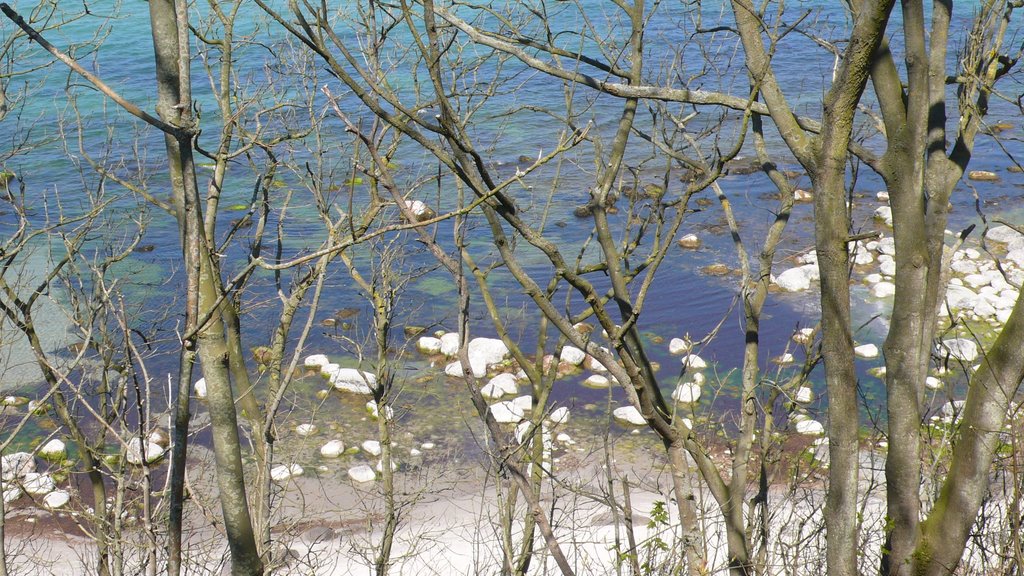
(63, 119)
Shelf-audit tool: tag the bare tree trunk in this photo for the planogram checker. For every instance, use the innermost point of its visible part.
(174, 106)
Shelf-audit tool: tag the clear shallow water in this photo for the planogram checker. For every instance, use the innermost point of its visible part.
(682, 300)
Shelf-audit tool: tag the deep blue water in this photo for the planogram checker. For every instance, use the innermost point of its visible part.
(682, 300)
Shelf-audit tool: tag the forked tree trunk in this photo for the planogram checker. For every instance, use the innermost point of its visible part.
(174, 104)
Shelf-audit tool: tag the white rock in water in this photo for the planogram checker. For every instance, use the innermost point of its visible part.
(362, 473)
(507, 412)
(960, 297)
(959, 348)
(306, 429)
(866, 351)
(420, 211)
(887, 267)
(134, 452)
(863, 258)
(572, 355)
(932, 383)
(952, 410)
(200, 388)
(53, 450)
(984, 309)
(886, 245)
(883, 290)
(809, 257)
(17, 465)
(810, 428)
(429, 345)
(694, 362)
(333, 449)
(559, 415)
(329, 370)
(374, 410)
(783, 359)
(882, 196)
(686, 393)
(629, 415)
(371, 447)
(804, 395)
(689, 241)
(524, 403)
(977, 280)
(450, 343)
(38, 484)
(1017, 257)
(454, 369)
(1002, 233)
(11, 493)
(597, 381)
(679, 346)
(352, 380)
(380, 466)
(316, 361)
(564, 438)
(803, 335)
(884, 213)
(592, 363)
(482, 352)
(283, 472)
(964, 266)
(427, 445)
(56, 499)
(501, 385)
(794, 280)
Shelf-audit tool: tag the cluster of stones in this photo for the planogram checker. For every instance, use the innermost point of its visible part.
(20, 476)
(978, 290)
(349, 381)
